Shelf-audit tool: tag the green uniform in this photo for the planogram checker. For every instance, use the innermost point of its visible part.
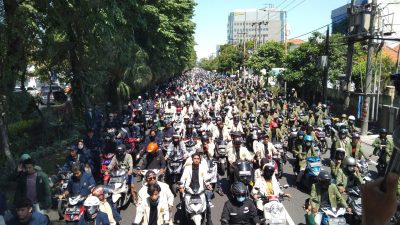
(389, 147)
(334, 169)
(342, 179)
(358, 152)
(335, 198)
(303, 156)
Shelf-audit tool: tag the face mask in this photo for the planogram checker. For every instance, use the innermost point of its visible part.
(240, 199)
(152, 138)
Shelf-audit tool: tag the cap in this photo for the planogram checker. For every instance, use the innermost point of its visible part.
(24, 157)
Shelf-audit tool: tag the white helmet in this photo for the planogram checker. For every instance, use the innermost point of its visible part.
(91, 201)
(351, 117)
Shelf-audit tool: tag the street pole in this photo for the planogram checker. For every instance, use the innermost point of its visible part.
(326, 67)
(349, 63)
(368, 75)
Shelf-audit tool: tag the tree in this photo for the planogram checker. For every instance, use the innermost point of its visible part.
(267, 56)
(229, 58)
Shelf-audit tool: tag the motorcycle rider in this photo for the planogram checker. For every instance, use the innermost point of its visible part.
(153, 159)
(106, 205)
(267, 148)
(125, 161)
(252, 123)
(92, 214)
(297, 150)
(236, 126)
(340, 141)
(79, 183)
(239, 210)
(74, 157)
(324, 194)
(349, 175)
(267, 184)
(165, 192)
(383, 147)
(336, 165)
(352, 126)
(195, 175)
(153, 210)
(307, 151)
(354, 149)
(176, 147)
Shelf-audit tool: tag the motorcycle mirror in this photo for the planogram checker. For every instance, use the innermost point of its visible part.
(285, 186)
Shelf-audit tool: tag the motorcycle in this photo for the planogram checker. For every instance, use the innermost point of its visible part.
(321, 136)
(362, 164)
(132, 146)
(274, 212)
(174, 171)
(279, 158)
(60, 186)
(311, 172)
(190, 146)
(118, 183)
(327, 121)
(195, 204)
(381, 167)
(355, 203)
(105, 161)
(333, 216)
(244, 172)
(222, 158)
(292, 138)
(74, 208)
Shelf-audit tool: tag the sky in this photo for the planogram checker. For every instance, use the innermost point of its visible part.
(211, 18)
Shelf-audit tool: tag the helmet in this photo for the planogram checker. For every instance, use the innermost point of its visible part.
(383, 131)
(340, 153)
(308, 138)
(205, 138)
(324, 106)
(344, 116)
(91, 205)
(324, 177)
(268, 170)
(349, 164)
(300, 135)
(152, 147)
(342, 131)
(280, 120)
(120, 151)
(252, 115)
(351, 117)
(355, 135)
(238, 188)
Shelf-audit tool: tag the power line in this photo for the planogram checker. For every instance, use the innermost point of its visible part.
(289, 4)
(281, 3)
(297, 5)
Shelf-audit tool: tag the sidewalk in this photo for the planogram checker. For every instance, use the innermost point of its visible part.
(369, 139)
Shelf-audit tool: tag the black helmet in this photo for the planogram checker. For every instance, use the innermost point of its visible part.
(324, 176)
(340, 153)
(349, 164)
(268, 171)
(205, 138)
(355, 135)
(383, 131)
(238, 188)
(120, 151)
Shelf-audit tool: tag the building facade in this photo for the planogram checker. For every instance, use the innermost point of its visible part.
(259, 25)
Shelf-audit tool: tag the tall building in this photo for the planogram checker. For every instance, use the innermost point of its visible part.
(259, 25)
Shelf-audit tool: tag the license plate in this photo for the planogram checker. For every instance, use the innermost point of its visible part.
(74, 210)
(244, 172)
(175, 164)
(195, 201)
(116, 179)
(278, 221)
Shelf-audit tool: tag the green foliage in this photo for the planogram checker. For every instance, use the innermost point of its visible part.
(267, 56)
(229, 58)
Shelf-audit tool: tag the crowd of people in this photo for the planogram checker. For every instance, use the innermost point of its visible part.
(180, 140)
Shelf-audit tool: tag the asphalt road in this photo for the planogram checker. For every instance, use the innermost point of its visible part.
(294, 205)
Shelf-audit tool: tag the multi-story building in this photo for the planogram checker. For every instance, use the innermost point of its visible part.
(258, 25)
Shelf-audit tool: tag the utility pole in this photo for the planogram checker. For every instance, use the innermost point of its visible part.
(368, 75)
(326, 66)
(349, 62)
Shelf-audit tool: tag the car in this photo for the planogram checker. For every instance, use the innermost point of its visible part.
(57, 94)
(32, 91)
